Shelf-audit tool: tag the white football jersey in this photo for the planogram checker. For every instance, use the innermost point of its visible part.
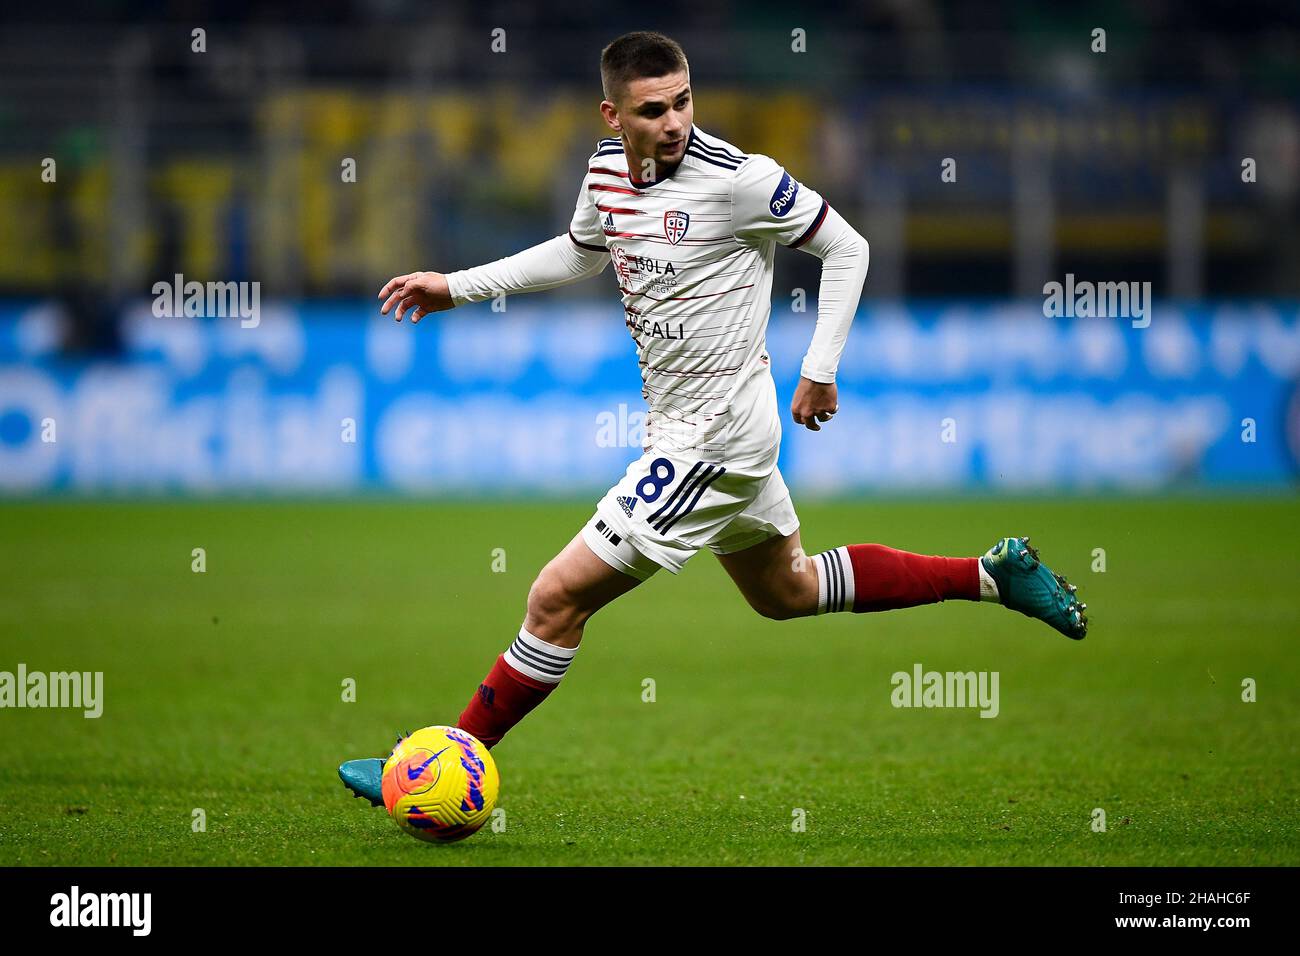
(693, 257)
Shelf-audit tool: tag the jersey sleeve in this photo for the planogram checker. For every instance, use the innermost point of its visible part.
(768, 204)
(585, 228)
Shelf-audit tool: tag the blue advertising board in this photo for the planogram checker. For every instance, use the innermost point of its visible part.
(544, 398)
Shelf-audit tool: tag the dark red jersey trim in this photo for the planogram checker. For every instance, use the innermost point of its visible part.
(586, 245)
(816, 224)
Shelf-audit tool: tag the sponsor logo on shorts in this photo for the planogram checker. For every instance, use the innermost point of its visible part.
(627, 504)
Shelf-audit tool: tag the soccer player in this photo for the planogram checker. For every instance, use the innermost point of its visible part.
(691, 224)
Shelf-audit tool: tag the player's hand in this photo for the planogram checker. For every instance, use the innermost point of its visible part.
(416, 295)
(814, 402)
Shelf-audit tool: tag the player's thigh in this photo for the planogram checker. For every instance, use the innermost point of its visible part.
(775, 576)
(578, 581)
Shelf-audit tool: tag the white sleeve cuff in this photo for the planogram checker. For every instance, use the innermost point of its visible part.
(845, 256)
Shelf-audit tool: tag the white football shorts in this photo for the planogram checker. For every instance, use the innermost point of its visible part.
(667, 506)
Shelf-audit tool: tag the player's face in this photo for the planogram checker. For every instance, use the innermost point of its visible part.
(655, 115)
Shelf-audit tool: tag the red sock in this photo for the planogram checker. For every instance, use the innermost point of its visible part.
(503, 699)
(520, 680)
(877, 578)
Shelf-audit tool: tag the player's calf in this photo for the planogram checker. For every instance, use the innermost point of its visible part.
(788, 597)
(780, 581)
(555, 613)
(569, 590)
(871, 577)
(776, 578)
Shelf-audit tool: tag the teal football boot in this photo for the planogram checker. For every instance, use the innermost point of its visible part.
(1027, 585)
(365, 777)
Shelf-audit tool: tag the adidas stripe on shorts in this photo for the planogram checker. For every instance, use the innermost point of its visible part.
(667, 506)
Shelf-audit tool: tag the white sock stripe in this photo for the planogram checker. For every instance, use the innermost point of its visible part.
(539, 660)
(839, 575)
(561, 655)
(833, 598)
(519, 652)
(821, 583)
(988, 587)
(839, 570)
(834, 581)
(846, 572)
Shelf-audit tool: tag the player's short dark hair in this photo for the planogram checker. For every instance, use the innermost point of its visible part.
(636, 55)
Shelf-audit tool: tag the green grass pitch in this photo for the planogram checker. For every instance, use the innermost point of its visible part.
(223, 691)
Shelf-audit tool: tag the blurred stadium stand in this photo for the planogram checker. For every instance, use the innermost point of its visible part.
(225, 166)
(228, 162)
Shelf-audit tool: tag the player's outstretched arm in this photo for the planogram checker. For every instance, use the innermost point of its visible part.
(768, 205)
(845, 255)
(418, 293)
(547, 265)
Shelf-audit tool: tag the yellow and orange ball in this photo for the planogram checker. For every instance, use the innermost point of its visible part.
(440, 784)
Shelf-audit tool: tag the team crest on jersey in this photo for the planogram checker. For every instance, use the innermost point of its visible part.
(675, 225)
(626, 503)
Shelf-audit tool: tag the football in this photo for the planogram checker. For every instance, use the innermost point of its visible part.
(440, 784)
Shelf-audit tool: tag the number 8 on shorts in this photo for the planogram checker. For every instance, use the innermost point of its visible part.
(655, 481)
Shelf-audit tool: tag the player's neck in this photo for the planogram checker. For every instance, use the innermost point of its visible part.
(662, 172)
(635, 165)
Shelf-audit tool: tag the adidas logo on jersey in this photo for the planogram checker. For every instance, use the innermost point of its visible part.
(626, 504)
(609, 223)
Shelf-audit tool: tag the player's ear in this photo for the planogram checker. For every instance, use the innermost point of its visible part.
(609, 112)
